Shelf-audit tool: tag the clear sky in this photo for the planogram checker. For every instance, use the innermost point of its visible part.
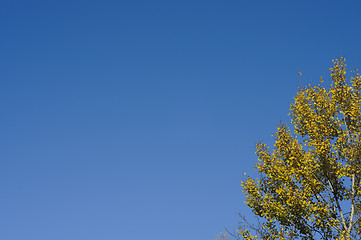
(135, 120)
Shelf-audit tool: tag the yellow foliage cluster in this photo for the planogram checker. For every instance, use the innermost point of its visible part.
(310, 183)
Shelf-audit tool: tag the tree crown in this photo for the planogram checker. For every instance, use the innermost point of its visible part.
(309, 185)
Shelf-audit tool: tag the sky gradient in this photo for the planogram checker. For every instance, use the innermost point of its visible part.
(135, 120)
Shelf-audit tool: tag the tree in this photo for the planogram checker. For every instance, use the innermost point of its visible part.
(309, 183)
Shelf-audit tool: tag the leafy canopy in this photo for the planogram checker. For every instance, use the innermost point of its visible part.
(309, 185)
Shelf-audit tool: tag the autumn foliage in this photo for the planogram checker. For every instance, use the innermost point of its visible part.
(309, 182)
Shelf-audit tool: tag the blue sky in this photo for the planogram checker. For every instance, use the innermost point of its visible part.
(136, 119)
